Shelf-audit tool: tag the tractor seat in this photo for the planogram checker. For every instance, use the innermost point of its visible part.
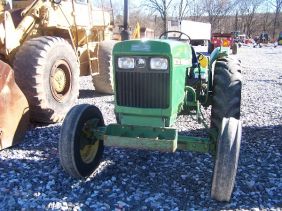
(194, 58)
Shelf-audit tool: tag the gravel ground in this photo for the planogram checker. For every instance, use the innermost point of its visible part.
(31, 177)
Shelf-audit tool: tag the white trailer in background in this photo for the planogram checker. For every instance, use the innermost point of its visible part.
(199, 32)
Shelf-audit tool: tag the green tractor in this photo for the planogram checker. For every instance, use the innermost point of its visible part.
(154, 81)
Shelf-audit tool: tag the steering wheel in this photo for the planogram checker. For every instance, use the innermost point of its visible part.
(175, 35)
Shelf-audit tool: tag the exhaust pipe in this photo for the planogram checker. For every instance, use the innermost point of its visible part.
(124, 33)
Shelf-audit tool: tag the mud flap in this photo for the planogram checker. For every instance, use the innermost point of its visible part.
(14, 109)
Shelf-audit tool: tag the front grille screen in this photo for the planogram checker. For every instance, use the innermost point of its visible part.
(142, 89)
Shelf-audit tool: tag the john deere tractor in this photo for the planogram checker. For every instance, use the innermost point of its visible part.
(154, 81)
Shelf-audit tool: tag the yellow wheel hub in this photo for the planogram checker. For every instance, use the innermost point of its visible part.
(59, 80)
(88, 152)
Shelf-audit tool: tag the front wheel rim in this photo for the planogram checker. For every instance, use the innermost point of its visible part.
(89, 152)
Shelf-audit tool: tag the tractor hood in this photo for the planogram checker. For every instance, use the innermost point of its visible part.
(173, 49)
(149, 80)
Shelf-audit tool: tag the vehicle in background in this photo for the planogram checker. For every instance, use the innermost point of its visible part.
(280, 39)
(44, 46)
(223, 40)
(199, 33)
(262, 40)
(238, 38)
(147, 33)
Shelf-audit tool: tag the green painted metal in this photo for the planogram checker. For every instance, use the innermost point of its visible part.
(142, 120)
(153, 47)
(129, 136)
(149, 138)
(218, 53)
(148, 128)
(191, 98)
(213, 134)
(180, 57)
(194, 144)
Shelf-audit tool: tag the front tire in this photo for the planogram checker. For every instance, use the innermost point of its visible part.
(47, 71)
(80, 155)
(225, 168)
(225, 120)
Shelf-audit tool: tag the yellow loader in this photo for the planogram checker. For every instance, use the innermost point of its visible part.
(48, 44)
(14, 115)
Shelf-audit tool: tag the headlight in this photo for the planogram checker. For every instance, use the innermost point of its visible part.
(159, 63)
(126, 63)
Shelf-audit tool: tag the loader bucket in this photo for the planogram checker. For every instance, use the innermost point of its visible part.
(14, 110)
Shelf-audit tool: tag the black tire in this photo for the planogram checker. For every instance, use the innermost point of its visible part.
(228, 148)
(234, 48)
(47, 71)
(72, 142)
(226, 102)
(227, 86)
(103, 82)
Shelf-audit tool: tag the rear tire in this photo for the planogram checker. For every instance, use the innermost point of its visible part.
(225, 119)
(227, 86)
(103, 82)
(47, 71)
(80, 156)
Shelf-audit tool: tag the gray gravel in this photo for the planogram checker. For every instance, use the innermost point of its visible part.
(31, 177)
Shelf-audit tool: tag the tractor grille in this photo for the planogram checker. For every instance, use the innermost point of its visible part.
(142, 89)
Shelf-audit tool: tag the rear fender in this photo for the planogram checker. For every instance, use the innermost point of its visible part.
(217, 53)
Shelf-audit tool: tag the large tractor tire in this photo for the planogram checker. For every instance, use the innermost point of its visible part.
(226, 104)
(103, 82)
(227, 86)
(47, 71)
(79, 155)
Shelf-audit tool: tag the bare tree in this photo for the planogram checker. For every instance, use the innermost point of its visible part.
(160, 6)
(277, 5)
(183, 9)
(266, 21)
(196, 10)
(248, 10)
(216, 10)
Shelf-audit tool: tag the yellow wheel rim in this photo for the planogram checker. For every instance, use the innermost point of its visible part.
(89, 151)
(59, 80)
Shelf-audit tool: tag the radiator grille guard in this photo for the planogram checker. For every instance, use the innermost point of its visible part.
(142, 88)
